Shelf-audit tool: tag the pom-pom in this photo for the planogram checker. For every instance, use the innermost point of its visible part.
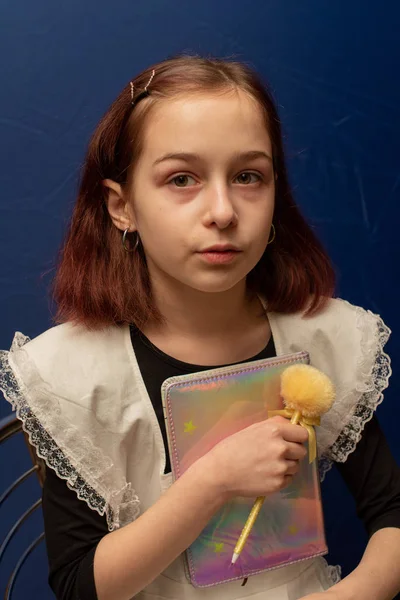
(306, 389)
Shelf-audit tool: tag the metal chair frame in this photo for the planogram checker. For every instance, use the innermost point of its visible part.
(9, 427)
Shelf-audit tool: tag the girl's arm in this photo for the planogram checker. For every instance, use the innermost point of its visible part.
(72, 532)
(377, 577)
(128, 559)
(88, 562)
(257, 461)
(373, 477)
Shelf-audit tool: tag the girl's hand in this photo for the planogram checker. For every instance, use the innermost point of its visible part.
(258, 460)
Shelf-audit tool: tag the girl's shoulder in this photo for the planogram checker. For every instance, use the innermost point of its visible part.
(72, 341)
(66, 361)
(339, 325)
(75, 392)
(70, 344)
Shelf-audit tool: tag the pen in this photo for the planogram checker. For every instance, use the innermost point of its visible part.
(247, 528)
(255, 511)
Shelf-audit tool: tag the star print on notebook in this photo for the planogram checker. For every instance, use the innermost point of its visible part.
(219, 547)
(189, 427)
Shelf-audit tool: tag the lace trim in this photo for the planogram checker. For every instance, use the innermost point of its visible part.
(371, 387)
(95, 484)
(334, 573)
(324, 466)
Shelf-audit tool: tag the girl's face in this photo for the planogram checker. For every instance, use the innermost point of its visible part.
(202, 197)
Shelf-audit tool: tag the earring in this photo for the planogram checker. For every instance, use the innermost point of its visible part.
(135, 245)
(273, 234)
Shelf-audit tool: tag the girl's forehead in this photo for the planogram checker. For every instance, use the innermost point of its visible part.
(204, 121)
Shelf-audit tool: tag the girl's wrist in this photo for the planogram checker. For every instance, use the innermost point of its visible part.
(209, 481)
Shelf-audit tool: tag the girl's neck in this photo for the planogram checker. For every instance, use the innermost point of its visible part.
(209, 328)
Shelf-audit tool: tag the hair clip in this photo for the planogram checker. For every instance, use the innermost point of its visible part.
(142, 94)
(150, 80)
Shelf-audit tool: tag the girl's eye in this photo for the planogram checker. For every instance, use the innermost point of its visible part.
(247, 177)
(182, 181)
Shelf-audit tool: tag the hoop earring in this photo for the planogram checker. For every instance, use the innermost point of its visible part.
(273, 234)
(136, 244)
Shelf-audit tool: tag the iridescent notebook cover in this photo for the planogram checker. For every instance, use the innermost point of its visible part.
(200, 410)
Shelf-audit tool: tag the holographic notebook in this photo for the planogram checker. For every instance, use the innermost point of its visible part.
(200, 410)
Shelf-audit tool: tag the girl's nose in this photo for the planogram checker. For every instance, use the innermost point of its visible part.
(220, 208)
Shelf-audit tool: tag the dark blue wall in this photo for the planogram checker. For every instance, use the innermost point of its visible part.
(334, 69)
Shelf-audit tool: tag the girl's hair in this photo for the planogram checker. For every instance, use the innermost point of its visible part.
(98, 283)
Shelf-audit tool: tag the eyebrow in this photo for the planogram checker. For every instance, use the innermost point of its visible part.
(190, 156)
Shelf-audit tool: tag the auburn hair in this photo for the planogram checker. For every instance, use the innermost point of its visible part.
(98, 283)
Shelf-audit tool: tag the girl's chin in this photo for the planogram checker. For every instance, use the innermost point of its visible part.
(211, 282)
(216, 287)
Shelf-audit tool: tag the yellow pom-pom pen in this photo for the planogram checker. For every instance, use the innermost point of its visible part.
(307, 394)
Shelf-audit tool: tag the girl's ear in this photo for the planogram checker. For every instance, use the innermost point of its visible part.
(118, 207)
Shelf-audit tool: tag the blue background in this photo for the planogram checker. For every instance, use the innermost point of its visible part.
(333, 67)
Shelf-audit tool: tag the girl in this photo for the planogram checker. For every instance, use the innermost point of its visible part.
(186, 252)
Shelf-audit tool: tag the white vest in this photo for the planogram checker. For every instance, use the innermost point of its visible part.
(82, 399)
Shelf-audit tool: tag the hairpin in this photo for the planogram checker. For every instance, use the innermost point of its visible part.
(150, 80)
(142, 94)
